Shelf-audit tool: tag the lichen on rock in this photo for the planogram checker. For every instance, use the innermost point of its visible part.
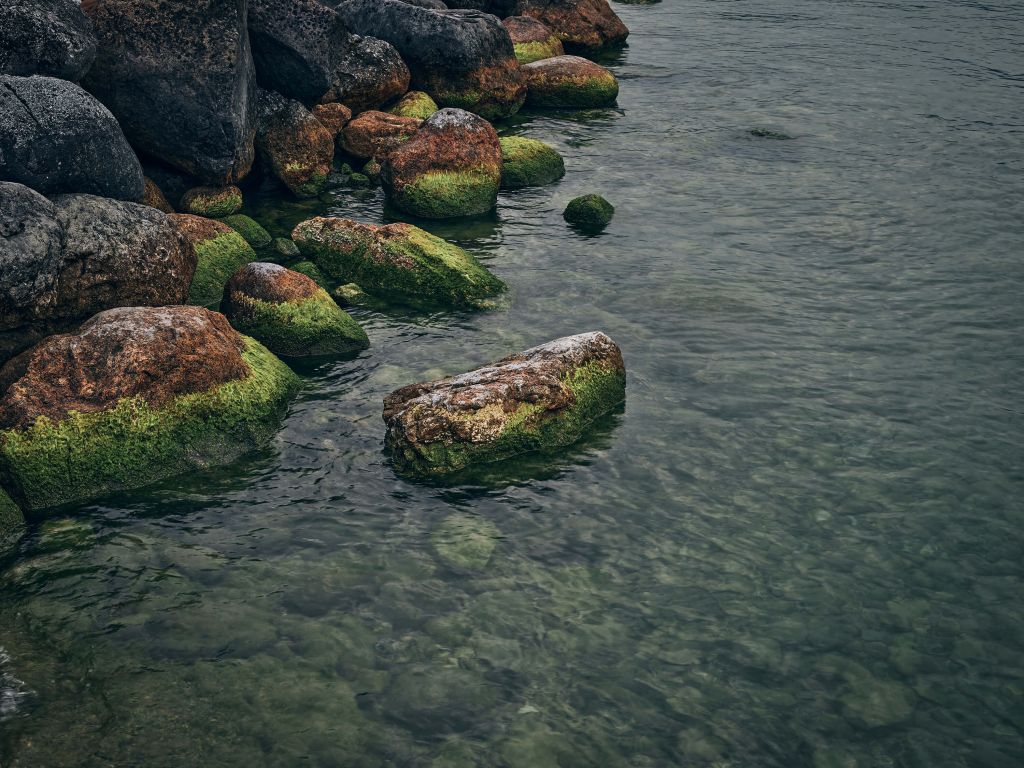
(415, 104)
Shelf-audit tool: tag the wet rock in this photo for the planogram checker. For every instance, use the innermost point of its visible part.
(770, 133)
(178, 76)
(45, 37)
(372, 170)
(55, 137)
(285, 248)
(450, 167)
(334, 117)
(137, 394)
(461, 58)
(531, 40)
(438, 699)
(465, 541)
(294, 144)
(289, 313)
(371, 73)
(877, 703)
(212, 202)
(529, 163)
(220, 252)
(11, 519)
(65, 260)
(415, 104)
(173, 184)
(296, 46)
(397, 262)
(250, 229)
(63, 534)
(591, 213)
(376, 134)
(569, 81)
(154, 197)
(540, 399)
(312, 271)
(584, 26)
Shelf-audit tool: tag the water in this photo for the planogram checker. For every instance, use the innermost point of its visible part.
(798, 544)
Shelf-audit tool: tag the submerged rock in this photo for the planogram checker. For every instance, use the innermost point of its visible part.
(450, 167)
(415, 104)
(375, 134)
(591, 213)
(294, 144)
(55, 137)
(532, 40)
(45, 37)
(397, 262)
(220, 252)
(569, 81)
(212, 202)
(137, 394)
(371, 73)
(529, 163)
(289, 313)
(584, 26)
(250, 229)
(540, 399)
(465, 541)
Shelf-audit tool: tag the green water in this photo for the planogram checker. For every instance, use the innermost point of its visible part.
(798, 544)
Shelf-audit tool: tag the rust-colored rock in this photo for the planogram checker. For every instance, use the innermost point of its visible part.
(154, 197)
(334, 116)
(271, 282)
(375, 134)
(531, 39)
(584, 26)
(569, 81)
(296, 146)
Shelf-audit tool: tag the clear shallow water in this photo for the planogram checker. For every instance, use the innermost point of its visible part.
(798, 544)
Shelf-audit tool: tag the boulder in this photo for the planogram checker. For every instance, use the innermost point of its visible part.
(334, 117)
(569, 81)
(531, 40)
(375, 134)
(11, 519)
(65, 260)
(397, 262)
(250, 229)
(590, 213)
(178, 75)
(220, 252)
(461, 58)
(45, 37)
(154, 197)
(371, 73)
(212, 202)
(55, 137)
(540, 399)
(137, 394)
(529, 163)
(296, 46)
(294, 145)
(415, 104)
(450, 167)
(289, 313)
(583, 26)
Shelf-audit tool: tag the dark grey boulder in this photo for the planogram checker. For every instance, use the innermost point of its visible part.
(55, 137)
(45, 37)
(370, 73)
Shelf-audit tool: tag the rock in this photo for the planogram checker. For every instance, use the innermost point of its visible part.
(770, 133)
(212, 202)
(55, 137)
(289, 313)
(312, 271)
(334, 117)
(154, 197)
(583, 26)
(397, 262)
(45, 37)
(285, 248)
(351, 295)
(450, 167)
(375, 134)
(371, 73)
(569, 81)
(465, 541)
(220, 252)
(540, 399)
(63, 261)
(11, 519)
(531, 40)
(178, 76)
(297, 46)
(250, 229)
(172, 183)
(529, 163)
(372, 170)
(461, 58)
(415, 104)
(136, 395)
(591, 213)
(294, 144)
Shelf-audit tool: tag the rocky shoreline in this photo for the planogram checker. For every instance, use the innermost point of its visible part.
(143, 314)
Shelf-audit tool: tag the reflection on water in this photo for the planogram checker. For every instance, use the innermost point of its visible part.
(798, 544)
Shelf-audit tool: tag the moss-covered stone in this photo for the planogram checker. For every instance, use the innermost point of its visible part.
(351, 295)
(220, 251)
(527, 53)
(212, 202)
(285, 248)
(591, 213)
(570, 82)
(359, 181)
(531, 39)
(447, 194)
(397, 262)
(415, 104)
(372, 170)
(253, 232)
(529, 163)
(11, 518)
(310, 270)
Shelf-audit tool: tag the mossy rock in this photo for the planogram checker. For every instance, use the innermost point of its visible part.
(250, 229)
(569, 82)
(285, 248)
(415, 104)
(527, 53)
(218, 259)
(591, 213)
(212, 202)
(360, 181)
(465, 541)
(529, 163)
(448, 194)
(372, 170)
(351, 295)
(310, 270)
(12, 521)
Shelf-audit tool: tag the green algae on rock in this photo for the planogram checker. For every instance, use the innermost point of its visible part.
(591, 213)
(136, 395)
(415, 104)
(569, 81)
(11, 518)
(529, 163)
(310, 270)
(397, 262)
(540, 399)
(220, 251)
(212, 202)
(250, 229)
(289, 313)
(532, 40)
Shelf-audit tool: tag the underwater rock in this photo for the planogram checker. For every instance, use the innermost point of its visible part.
(45, 37)
(212, 202)
(289, 313)
(415, 104)
(334, 117)
(529, 163)
(375, 134)
(439, 699)
(531, 40)
(450, 167)
(55, 137)
(154, 197)
(569, 81)
(220, 252)
(11, 518)
(135, 395)
(371, 73)
(540, 399)
(178, 76)
(253, 232)
(584, 26)
(294, 144)
(397, 262)
(591, 213)
(770, 133)
(461, 58)
(465, 541)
